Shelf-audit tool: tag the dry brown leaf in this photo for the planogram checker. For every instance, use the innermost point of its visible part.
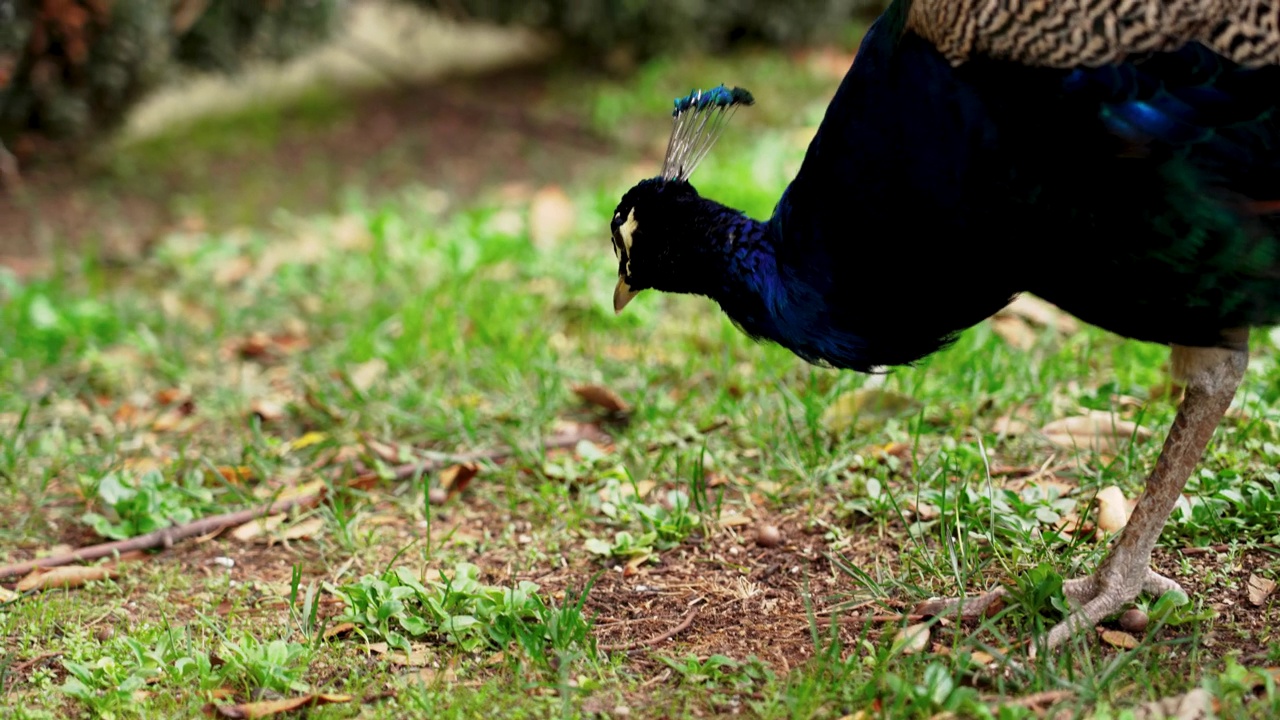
(339, 629)
(366, 374)
(552, 216)
(1010, 426)
(67, 576)
(1197, 704)
(233, 271)
(258, 527)
(7, 595)
(1113, 510)
(417, 657)
(1015, 331)
(601, 397)
(455, 478)
(1260, 589)
(912, 638)
(1120, 639)
(268, 411)
(865, 408)
(430, 675)
(237, 474)
(308, 528)
(267, 708)
(982, 658)
(1101, 432)
(171, 420)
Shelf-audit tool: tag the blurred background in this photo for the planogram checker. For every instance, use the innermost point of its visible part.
(120, 120)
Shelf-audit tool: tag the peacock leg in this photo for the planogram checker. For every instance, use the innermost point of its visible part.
(1211, 376)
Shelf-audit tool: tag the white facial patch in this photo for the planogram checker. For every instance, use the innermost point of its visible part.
(625, 232)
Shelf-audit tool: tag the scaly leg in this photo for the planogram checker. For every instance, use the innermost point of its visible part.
(1211, 376)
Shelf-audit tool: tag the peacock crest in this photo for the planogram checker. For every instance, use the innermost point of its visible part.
(698, 120)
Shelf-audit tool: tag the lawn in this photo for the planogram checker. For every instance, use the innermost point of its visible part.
(504, 500)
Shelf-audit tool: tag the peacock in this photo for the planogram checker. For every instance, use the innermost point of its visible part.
(1118, 158)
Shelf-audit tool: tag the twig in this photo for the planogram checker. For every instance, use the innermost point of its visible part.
(22, 666)
(860, 619)
(165, 537)
(1224, 547)
(657, 639)
(1035, 700)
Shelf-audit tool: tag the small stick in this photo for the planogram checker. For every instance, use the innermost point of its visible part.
(1224, 548)
(1034, 700)
(657, 639)
(164, 537)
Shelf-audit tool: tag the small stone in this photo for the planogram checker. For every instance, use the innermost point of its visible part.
(437, 496)
(622, 711)
(104, 633)
(1134, 620)
(768, 536)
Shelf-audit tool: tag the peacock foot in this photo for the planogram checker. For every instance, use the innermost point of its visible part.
(1092, 598)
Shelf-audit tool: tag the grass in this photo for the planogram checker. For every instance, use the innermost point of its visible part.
(232, 364)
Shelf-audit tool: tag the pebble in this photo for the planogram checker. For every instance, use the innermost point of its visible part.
(768, 536)
(1134, 620)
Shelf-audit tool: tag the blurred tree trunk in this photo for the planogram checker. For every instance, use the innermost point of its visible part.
(70, 69)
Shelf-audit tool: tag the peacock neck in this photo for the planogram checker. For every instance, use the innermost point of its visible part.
(741, 271)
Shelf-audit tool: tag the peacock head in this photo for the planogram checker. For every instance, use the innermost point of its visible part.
(656, 217)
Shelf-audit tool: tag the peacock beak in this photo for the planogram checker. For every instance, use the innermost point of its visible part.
(622, 294)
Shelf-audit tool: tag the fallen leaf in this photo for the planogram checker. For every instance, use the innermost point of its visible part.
(912, 639)
(258, 527)
(601, 397)
(1099, 431)
(267, 708)
(1113, 510)
(339, 629)
(1010, 426)
(552, 216)
(307, 439)
(1197, 704)
(455, 478)
(981, 658)
(1120, 639)
(306, 529)
(1015, 331)
(263, 529)
(417, 657)
(7, 595)
(67, 576)
(268, 411)
(865, 408)
(169, 420)
(233, 271)
(366, 374)
(734, 520)
(429, 675)
(236, 474)
(1260, 589)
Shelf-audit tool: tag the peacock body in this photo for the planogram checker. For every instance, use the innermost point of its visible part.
(1120, 158)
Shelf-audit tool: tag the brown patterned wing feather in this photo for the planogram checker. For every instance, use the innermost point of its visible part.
(1069, 33)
